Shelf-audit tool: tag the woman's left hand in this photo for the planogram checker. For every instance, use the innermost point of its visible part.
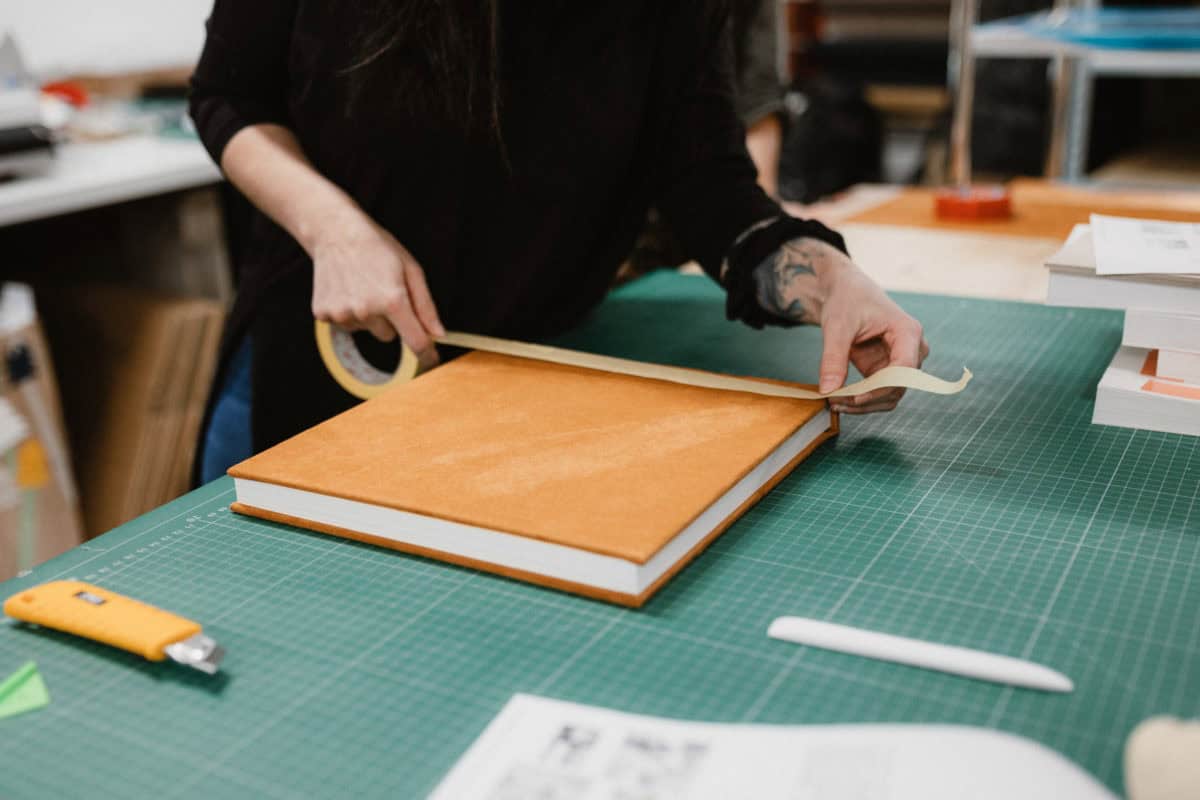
(809, 281)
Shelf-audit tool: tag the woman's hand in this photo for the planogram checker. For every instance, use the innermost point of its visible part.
(363, 279)
(810, 281)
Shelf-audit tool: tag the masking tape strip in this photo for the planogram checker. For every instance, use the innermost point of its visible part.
(361, 379)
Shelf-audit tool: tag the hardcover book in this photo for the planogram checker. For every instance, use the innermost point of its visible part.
(592, 482)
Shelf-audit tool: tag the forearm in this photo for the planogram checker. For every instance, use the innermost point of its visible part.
(266, 163)
(363, 279)
(795, 281)
(764, 142)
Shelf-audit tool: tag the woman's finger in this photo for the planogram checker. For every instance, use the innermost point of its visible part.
(904, 343)
(873, 408)
(876, 396)
(400, 314)
(380, 328)
(343, 318)
(835, 355)
(871, 355)
(422, 299)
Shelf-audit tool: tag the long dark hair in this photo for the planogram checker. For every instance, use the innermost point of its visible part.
(442, 57)
(439, 58)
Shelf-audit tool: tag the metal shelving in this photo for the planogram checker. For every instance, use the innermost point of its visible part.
(1074, 65)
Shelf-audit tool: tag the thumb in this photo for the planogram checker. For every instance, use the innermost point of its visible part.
(905, 345)
(835, 357)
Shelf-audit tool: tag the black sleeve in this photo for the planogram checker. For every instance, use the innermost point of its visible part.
(708, 186)
(741, 296)
(242, 76)
(756, 48)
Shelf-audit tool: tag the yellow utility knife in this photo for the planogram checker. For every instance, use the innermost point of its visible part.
(104, 616)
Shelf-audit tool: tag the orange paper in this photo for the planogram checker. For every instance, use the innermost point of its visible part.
(1173, 389)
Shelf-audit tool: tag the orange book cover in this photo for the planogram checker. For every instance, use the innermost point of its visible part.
(598, 462)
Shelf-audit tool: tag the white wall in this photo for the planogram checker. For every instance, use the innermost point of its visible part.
(58, 37)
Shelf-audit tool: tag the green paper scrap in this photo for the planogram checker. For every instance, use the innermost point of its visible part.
(23, 691)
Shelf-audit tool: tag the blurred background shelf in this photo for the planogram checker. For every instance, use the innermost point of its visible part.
(1005, 39)
(93, 174)
(877, 71)
(1084, 42)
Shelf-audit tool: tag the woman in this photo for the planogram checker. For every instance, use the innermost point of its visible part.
(485, 165)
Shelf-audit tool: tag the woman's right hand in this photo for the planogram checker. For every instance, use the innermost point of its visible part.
(364, 279)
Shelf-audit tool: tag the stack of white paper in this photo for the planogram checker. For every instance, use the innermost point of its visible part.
(1145, 246)
(1076, 281)
(1131, 396)
(1151, 269)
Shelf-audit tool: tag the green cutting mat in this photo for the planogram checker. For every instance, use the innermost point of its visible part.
(1000, 519)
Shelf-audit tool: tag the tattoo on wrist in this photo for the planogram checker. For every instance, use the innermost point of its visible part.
(786, 282)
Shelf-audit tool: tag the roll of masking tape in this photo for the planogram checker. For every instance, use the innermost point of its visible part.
(353, 372)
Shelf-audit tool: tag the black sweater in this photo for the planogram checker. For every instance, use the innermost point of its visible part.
(607, 108)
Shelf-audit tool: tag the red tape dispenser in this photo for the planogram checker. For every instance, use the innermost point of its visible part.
(973, 202)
